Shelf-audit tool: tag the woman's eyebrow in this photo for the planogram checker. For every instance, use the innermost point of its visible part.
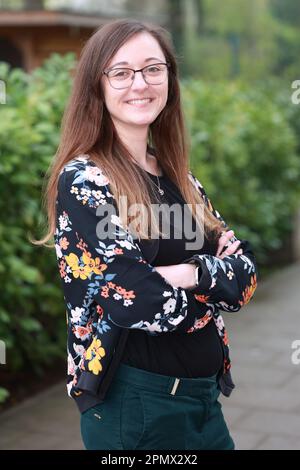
(146, 60)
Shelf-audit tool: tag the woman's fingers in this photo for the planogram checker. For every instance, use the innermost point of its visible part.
(224, 240)
(231, 249)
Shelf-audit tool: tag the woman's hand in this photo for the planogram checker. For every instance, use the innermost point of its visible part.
(178, 275)
(231, 247)
(183, 275)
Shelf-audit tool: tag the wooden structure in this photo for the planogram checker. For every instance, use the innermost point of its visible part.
(27, 38)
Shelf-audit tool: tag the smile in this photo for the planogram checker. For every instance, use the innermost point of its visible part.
(140, 102)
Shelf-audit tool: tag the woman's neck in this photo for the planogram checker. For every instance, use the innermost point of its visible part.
(138, 147)
(153, 165)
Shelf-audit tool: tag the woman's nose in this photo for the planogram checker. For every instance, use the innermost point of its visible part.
(138, 81)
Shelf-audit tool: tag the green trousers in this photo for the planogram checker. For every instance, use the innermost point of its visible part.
(150, 411)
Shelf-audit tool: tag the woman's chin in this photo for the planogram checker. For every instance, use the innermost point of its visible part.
(140, 122)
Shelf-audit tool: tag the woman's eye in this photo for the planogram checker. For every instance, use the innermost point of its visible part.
(120, 74)
(153, 69)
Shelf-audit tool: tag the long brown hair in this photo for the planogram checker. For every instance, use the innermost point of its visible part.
(87, 128)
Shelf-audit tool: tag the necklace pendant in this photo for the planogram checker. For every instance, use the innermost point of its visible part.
(161, 191)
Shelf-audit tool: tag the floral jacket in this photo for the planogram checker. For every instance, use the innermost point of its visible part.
(110, 286)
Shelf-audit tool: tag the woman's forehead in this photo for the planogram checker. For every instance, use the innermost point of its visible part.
(138, 50)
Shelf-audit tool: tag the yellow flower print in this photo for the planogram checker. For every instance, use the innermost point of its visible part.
(78, 271)
(93, 264)
(94, 354)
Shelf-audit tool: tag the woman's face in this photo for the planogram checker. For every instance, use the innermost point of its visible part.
(134, 54)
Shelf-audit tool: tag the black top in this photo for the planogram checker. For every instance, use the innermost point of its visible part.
(177, 353)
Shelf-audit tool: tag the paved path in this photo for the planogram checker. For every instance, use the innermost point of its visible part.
(263, 411)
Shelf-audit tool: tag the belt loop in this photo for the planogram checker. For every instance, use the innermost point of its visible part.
(175, 385)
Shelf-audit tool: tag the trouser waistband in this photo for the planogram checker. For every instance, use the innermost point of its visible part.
(204, 387)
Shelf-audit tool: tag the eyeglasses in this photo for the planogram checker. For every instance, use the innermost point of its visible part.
(154, 74)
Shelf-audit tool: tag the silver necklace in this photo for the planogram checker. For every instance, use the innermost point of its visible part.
(161, 191)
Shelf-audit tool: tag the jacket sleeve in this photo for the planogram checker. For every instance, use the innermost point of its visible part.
(109, 270)
(228, 283)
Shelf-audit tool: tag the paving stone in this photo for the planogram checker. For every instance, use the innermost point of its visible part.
(265, 398)
(280, 443)
(272, 422)
(256, 376)
(246, 440)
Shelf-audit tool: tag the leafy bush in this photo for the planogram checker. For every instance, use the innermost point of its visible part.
(31, 306)
(244, 149)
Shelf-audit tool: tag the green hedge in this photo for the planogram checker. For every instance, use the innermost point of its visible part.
(32, 320)
(243, 150)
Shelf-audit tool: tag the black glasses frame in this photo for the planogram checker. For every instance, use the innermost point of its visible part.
(106, 72)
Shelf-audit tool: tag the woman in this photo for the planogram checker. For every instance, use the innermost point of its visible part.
(147, 347)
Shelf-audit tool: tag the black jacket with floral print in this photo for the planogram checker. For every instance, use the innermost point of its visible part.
(110, 286)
